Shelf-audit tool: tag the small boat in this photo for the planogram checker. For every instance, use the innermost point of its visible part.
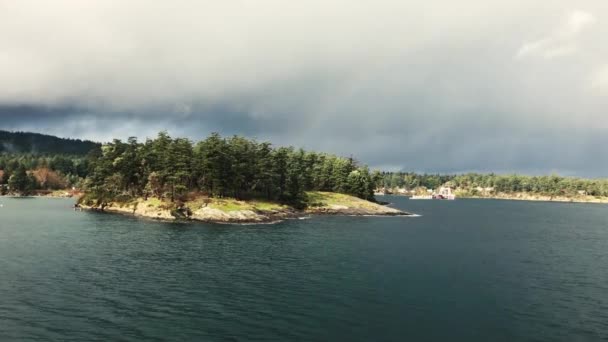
(421, 197)
(442, 197)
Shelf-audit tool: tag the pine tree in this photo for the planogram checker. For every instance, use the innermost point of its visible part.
(18, 181)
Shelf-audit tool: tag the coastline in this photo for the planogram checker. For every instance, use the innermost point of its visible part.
(39, 196)
(541, 198)
(65, 194)
(246, 212)
(520, 196)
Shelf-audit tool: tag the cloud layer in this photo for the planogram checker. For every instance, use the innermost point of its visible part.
(486, 86)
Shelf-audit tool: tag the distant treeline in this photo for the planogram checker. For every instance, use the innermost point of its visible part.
(32, 161)
(23, 142)
(25, 173)
(237, 167)
(549, 185)
(66, 164)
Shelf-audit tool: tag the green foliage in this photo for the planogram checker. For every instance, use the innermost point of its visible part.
(361, 184)
(233, 167)
(18, 181)
(54, 171)
(475, 183)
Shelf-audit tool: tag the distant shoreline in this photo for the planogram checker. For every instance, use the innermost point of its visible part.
(39, 196)
(542, 198)
(532, 198)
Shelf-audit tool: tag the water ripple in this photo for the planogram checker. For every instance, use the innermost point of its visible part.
(467, 270)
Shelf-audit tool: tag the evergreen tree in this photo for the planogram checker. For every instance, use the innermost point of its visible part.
(18, 181)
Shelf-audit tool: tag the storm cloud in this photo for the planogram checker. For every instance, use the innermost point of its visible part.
(437, 86)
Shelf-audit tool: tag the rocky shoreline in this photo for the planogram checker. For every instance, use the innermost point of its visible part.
(209, 214)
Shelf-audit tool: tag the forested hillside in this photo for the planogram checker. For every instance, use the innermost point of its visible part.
(27, 173)
(34, 143)
(31, 162)
(235, 167)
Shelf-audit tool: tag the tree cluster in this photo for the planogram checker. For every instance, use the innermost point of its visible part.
(19, 182)
(237, 167)
(44, 172)
(548, 185)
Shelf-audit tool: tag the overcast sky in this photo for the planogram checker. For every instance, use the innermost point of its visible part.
(438, 86)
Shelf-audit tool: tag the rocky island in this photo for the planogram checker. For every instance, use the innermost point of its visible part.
(228, 210)
(226, 180)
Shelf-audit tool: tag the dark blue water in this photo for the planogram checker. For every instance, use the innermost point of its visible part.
(467, 270)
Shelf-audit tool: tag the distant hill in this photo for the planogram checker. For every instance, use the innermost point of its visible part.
(25, 142)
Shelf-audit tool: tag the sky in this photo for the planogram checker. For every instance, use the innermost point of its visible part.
(427, 86)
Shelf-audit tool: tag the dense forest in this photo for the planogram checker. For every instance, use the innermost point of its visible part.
(473, 182)
(41, 172)
(32, 162)
(40, 144)
(173, 168)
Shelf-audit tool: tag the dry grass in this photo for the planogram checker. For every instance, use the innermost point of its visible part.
(267, 206)
(323, 199)
(194, 203)
(231, 204)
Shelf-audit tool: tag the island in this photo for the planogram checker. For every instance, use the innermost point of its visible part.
(226, 180)
(229, 210)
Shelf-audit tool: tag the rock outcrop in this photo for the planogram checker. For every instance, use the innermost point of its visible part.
(233, 211)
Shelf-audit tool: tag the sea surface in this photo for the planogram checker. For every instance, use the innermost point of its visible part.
(465, 270)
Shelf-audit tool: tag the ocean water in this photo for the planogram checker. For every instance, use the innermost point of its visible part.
(465, 270)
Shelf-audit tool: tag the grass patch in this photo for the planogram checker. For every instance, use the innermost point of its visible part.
(197, 203)
(267, 206)
(229, 204)
(156, 203)
(329, 198)
(321, 199)
(153, 202)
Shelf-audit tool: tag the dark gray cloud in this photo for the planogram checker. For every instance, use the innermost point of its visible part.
(506, 86)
